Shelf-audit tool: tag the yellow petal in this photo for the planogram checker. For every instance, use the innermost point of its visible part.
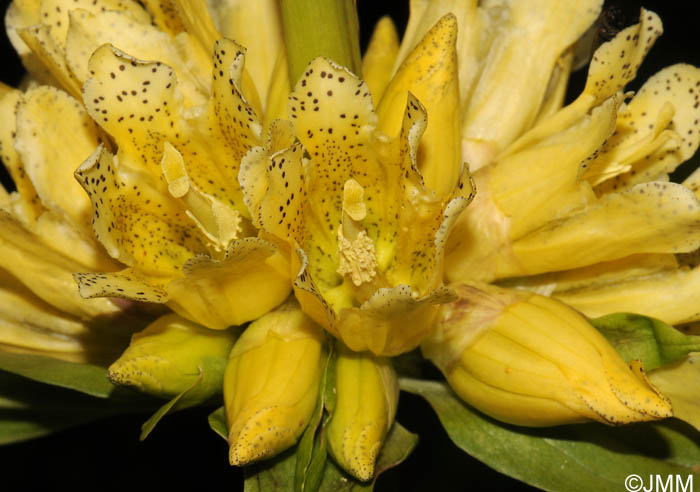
(680, 383)
(257, 26)
(47, 273)
(219, 223)
(136, 102)
(430, 74)
(531, 360)
(556, 88)
(614, 64)
(170, 356)
(472, 34)
(693, 182)
(27, 321)
(332, 114)
(368, 394)
(667, 105)
(250, 281)
(20, 14)
(379, 58)
(126, 284)
(79, 244)
(54, 136)
(231, 122)
(195, 17)
(275, 191)
(51, 55)
(55, 14)
(141, 41)
(139, 104)
(135, 222)
(670, 296)
(391, 322)
(597, 275)
(31, 204)
(541, 183)
(271, 383)
(655, 217)
(276, 104)
(165, 15)
(514, 79)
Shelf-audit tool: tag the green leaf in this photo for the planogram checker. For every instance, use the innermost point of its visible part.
(587, 457)
(18, 427)
(217, 422)
(278, 474)
(272, 475)
(399, 444)
(29, 409)
(85, 378)
(647, 339)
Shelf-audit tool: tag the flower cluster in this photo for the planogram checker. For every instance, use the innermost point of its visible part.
(281, 240)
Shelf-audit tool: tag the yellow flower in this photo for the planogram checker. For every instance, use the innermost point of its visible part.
(46, 235)
(173, 355)
(271, 383)
(585, 192)
(181, 170)
(530, 360)
(368, 232)
(367, 397)
(190, 242)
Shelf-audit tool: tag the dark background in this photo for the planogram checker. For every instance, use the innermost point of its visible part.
(183, 451)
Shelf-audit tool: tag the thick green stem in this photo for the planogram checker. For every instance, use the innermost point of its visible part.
(315, 28)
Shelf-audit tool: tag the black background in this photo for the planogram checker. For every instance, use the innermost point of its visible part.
(183, 453)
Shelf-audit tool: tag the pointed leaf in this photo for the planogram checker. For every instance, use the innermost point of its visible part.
(151, 423)
(30, 409)
(592, 456)
(217, 422)
(85, 378)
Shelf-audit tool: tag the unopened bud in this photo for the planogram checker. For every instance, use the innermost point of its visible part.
(271, 383)
(531, 360)
(367, 396)
(170, 355)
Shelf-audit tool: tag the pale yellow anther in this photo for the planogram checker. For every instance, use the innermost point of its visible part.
(357, 257)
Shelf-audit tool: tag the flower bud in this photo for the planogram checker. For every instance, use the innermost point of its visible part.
(367, 396)
(271, 383)
(170, 355)
(531, 360)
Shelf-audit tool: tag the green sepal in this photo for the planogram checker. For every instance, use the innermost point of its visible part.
(312, 450)
(593, 456)
(637, 337)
